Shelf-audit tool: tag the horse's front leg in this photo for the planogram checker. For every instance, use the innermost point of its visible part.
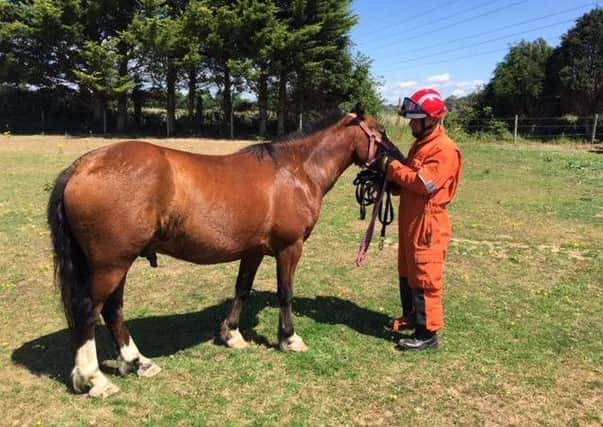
(229, 333)
(286, 262)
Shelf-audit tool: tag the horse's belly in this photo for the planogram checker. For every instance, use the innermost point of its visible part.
(212, 242)
(209, 252)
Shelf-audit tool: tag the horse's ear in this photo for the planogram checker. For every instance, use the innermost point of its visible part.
(359, 110)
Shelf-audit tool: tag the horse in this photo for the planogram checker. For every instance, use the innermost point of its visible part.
(133, 199)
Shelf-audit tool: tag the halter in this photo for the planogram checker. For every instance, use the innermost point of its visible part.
(376, 188)
(374, 140)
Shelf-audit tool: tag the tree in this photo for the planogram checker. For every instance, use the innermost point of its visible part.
(577, 65)
(518, 80)
(224, 52)
(10, 68)
(106, 51)
(331, 79)
(105, 23)
(40, 37)
(259, 37)
(195, 31)
(167, 35)
(363, 86)
(315, 53)
(108, 20)
(101, 73)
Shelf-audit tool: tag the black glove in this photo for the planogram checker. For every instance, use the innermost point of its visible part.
(397, 155)
(381, 163)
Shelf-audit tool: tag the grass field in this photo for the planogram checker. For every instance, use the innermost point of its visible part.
(524, 310)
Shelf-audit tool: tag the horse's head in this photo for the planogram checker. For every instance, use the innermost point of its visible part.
(370, 137)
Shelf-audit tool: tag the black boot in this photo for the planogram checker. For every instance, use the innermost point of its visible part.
(422, 339)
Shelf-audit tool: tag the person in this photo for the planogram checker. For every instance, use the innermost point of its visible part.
(427, 180)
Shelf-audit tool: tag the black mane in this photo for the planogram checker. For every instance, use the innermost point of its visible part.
(272, 149)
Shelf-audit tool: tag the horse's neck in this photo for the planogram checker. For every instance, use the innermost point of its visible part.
(329, 157)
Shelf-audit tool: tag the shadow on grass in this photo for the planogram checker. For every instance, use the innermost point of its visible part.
(158, 336)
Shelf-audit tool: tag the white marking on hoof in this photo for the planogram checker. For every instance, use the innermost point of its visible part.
(130, 360)
(148, 370)
(124, 367)
(294, 343)
(103, 391)
(87, 376)
(79, 382)
(236, 340)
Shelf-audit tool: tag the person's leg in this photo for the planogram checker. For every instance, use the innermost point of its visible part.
(407, 320)
(406, 299)
(427, 300)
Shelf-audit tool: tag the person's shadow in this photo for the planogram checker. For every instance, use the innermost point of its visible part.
(158, 336)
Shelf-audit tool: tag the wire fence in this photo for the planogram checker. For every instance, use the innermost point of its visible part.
(578, 128)
(520, 127)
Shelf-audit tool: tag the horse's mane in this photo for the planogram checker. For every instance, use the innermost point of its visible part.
(271, 149)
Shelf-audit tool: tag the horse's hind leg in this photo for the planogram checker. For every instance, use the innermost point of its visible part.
(286, 263)
(85, 308)
(229, 333)
(130, 359)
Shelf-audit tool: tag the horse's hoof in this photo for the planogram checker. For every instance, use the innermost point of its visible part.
(235, 340)
(293, 343)
(79, 382)
(124, 367)
(148, 370)
(103, 391)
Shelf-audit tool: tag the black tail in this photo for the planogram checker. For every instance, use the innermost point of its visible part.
(71, 272)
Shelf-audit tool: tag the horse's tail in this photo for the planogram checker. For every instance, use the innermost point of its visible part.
(71, 271)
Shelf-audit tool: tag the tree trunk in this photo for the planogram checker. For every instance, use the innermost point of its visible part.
(300, 103)
(228, 102)
(263, 101)
(122, 101)
(137, 99)
(97, 113)
(104, 119)
(192, 96)
(199, 111)
(282, 104)
(171, 98)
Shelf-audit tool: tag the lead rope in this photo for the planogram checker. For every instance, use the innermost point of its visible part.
(370, 188)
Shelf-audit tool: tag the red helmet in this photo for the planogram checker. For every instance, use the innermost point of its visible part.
(423, 103)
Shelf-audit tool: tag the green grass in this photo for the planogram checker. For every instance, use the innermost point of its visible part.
(523, 299)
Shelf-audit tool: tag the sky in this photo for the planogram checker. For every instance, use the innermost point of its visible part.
(452, 45)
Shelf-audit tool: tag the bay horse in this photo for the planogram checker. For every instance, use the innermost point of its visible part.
(134, 199)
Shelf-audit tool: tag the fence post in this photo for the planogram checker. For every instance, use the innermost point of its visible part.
(594, 135)
(515, 128)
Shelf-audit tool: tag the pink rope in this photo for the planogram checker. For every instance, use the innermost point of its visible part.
(368, 236)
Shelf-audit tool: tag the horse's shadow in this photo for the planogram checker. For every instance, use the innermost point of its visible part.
(158, 336)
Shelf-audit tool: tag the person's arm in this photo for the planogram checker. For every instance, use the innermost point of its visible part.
(430, 178)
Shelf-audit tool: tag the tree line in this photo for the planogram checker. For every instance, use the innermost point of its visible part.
(96, 58)
(535, 79)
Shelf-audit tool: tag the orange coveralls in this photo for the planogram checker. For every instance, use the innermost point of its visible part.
(428, 181)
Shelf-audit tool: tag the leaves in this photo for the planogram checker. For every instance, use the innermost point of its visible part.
(100, 73)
